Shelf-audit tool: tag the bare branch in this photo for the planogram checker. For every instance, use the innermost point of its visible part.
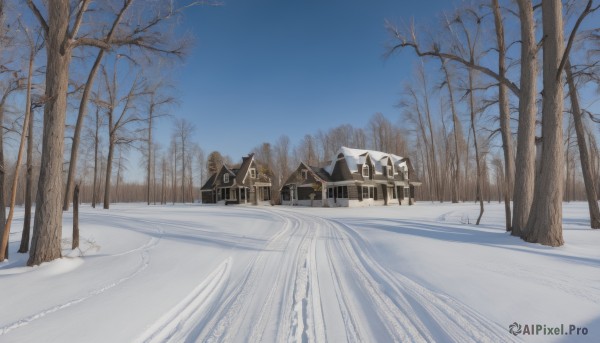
(38, 15)
(83, 5)
(588, 9)
(437, 53)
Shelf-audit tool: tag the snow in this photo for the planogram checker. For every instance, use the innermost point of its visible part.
(274, 274)
(354, 157)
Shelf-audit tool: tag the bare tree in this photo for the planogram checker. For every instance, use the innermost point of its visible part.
(282, 156)
(586, 168)
(13, 195)
(457, 131)
(183, 130)
(26, 233)
(117, 123)
(306, 151)
(12, 85)
(157, 100)
(214, 162)
(545, 220)
(84, 101)
(503, 103)
(526, 151)
(62, 33)
(97, 125)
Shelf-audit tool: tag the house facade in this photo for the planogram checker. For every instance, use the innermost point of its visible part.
(354, 178)
(243, 185)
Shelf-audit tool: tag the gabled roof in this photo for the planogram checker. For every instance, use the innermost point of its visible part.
(354, 157)
(210, 183)
(238, 174)
(243, 170)
(321, 173)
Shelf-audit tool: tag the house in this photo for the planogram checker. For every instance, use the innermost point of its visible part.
(306, 186)
(354, 178)
(243, 185)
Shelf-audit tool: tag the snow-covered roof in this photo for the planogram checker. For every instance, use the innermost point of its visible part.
(354, 157)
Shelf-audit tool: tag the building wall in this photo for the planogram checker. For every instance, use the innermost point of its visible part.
(208, 198)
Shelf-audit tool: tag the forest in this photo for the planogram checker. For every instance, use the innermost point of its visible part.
(501, 106)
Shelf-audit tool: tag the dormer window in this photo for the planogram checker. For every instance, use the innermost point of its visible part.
(390, 172)
(253, 173)
(365, 171)
(304, 174)
(226, 178)
(404, 172)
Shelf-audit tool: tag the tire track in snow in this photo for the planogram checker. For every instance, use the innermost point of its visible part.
(185, 315)
(283, 311)
(232, 310)
(145, 262)
(456, 320)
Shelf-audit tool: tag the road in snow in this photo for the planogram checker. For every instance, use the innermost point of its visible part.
(280, 274)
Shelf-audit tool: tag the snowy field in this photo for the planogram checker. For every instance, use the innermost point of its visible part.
(280, 274)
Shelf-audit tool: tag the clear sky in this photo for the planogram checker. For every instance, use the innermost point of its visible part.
(260, 69)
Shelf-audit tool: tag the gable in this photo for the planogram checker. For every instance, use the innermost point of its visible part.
(219, 180)
(341, 172)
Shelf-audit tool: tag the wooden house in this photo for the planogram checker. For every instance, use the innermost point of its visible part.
(243, 185)
(354, 178)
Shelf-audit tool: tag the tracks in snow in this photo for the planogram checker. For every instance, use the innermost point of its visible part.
(316, 280)
(144, 263)
(185, 316)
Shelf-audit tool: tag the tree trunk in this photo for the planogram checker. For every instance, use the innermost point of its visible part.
(174, 176)
(545, 220)
(457, 130)
(47, 227)
(586, 167)
(148, 183)
(75, 242)
(96, 142)
(111, 149)
(118, 177)
(525, 161)
(2, 174)
(78, 125)
(478, 193)
(28, 189)
(504, 115)
(182, 170)
(24, 247)
(13, 196)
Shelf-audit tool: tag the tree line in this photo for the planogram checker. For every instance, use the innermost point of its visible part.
(513, 86)
(82, 55)
(482, 119)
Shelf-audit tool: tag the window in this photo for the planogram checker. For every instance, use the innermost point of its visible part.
(253, 173)
(390, 172)
(365, 171)
(226, 178)
(369, 192)
(404, 172)
(266, 193)
(339, 192)
(393, 192)
(407, 192)
(304, 174)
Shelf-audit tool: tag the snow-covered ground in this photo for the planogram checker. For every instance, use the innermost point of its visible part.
(277, 274)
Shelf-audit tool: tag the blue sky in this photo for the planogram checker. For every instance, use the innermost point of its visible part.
(260, 69)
